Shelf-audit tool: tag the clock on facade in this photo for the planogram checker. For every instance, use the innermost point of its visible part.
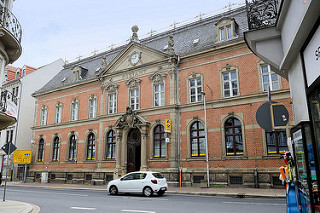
(135, 58)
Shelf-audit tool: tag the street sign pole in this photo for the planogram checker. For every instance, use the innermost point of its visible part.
(5, 183)
(25, 173)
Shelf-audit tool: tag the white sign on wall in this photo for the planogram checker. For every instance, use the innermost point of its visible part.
(311, 57)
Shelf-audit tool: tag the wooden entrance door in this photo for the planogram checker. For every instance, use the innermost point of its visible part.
(134, 150)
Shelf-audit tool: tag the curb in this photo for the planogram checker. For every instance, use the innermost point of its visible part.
(233, 195)
(217, 194)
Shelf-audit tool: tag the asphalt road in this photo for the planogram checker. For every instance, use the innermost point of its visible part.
(74, 201)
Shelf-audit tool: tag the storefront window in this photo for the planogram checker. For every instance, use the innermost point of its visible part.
(314, 101)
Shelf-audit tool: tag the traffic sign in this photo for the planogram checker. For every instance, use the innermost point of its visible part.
(22, 156)
(167, 127)
(6, 147)
(269, 119)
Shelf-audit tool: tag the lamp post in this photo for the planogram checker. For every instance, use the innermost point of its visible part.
(206, 135)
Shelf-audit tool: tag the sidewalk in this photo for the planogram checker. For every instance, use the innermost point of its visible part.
(20, 207)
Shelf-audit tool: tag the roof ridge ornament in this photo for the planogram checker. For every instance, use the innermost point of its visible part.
(170, 45)
(134, 36)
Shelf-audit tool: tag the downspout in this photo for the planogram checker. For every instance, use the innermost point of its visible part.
(178, 119)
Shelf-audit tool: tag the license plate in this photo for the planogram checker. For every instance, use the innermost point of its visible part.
(163, 189)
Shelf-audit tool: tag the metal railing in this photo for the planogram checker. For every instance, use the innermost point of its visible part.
(10, 22)
(261, 13)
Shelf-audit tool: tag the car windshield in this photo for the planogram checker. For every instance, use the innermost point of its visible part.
(157, 175)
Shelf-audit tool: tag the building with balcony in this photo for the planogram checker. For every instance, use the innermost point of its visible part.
(10, 51)
(286, 35)
(140, 106)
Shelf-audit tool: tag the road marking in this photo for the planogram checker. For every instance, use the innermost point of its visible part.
(246, 203)
(83, 208)
(39, 192)
(141, 211)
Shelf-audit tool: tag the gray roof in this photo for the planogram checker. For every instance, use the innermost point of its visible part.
(204, 30)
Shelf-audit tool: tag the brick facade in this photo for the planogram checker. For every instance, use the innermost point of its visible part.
(155, 67)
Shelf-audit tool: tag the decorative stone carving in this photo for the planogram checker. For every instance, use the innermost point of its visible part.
(157, 78)
(111, 88)
(129, 119)
(132, 83)
(104, 61)
(134, 36)
(170, 46)
(194, 74)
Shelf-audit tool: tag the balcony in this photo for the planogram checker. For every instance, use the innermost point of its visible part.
(261, 13)
(10, 34)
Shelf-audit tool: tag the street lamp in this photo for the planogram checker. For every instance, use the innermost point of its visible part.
(206, 135)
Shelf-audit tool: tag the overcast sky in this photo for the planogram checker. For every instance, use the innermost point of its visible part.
(70, 28)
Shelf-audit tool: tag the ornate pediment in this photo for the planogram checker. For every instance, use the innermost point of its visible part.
(130, 119)
(133, 83)
(158, 78)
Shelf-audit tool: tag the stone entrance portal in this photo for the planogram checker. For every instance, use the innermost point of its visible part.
(133, 150)
(131, 145)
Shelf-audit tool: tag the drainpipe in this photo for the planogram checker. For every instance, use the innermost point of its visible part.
(178, 119)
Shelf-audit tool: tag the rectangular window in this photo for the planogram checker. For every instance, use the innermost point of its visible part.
(74, 111)
(229, 32)
(159, 95)
(134, 99)
(112, 103)
(195, 90)
(58, 114)
(230, 84)
(268, 76)
(222, 34)
(44, 114)
(92, 108)
(276, 142)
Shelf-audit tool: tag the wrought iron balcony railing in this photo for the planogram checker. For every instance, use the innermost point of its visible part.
(10, 22)
(261, 13)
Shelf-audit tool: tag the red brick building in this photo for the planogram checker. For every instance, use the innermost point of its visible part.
(106, 115)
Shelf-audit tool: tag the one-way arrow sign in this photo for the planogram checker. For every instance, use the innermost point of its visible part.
(6, 149)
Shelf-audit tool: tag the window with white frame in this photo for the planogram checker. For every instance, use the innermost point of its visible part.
(230, 84)
(195, 86)
(74, 110)
(269, 76)
(134, 99)
(227, 29)
(112, 103)
(58, 117)
(159, 95)
(93, 107)
(134, 94)
(44, 115)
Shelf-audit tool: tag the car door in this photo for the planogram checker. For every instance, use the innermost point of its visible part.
(125, 184)
(138, 182)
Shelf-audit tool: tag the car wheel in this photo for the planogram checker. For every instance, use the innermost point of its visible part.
(147, 191)
(160, 193)
(113, 190)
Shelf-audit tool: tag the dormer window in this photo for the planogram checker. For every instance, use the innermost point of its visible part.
(17, 74)
(226, 29)
(78, 73)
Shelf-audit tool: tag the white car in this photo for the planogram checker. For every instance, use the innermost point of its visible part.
(143, 182)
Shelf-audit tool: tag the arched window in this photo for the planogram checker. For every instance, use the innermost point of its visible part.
(159, 142)
(73, 148)
(197, 138)
(55, 153)
(91, 149)
(111, 145)
(233, 135)
(41, 150)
